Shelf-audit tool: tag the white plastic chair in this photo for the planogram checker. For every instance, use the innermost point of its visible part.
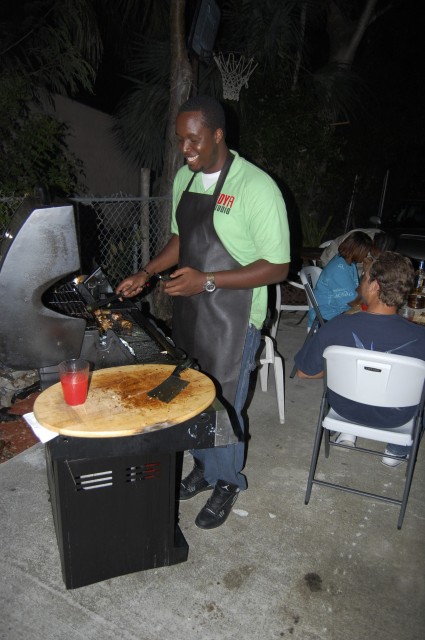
(268, 357)
(310, 275)
(323, 245)
(379, 380)
(281, 306)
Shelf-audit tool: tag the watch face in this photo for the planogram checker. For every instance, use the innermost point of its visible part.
(209, 286)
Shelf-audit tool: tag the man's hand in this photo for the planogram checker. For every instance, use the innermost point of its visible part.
(185, 282)
(166, 259)
(132, 285)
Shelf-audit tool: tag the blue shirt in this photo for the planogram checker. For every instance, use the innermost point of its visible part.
(335, 287)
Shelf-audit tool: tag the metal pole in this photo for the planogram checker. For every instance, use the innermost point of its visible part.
(351, 205)
(383, 194)
(144, 217)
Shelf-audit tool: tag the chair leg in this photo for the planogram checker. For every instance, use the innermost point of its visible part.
(264, 376)
(316, 451)
(409, 477)
(266, 361)
(275, 326)
(276, 315)
(280, 389)
(327, 446)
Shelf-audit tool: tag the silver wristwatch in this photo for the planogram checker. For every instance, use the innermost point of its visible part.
(209, 283)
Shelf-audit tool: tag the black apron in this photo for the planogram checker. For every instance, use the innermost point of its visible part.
(210, 327)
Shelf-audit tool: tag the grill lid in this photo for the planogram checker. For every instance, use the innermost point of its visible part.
(40, 249)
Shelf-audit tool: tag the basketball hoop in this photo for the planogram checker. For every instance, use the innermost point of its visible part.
(235, 71)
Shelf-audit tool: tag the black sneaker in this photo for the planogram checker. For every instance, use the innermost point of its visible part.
(194, 483)
(218, 506)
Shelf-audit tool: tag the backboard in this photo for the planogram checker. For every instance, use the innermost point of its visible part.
(204, 28)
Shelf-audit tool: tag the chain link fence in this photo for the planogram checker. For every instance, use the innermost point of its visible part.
(119, 234)
(8, 207)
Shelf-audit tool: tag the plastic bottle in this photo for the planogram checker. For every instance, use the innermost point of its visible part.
(420, 278)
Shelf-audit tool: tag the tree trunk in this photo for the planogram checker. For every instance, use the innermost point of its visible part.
(299, 55)
(344, 34)
(359, 32)
(180, 87)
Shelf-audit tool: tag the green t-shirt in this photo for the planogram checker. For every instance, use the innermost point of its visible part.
(249, 218)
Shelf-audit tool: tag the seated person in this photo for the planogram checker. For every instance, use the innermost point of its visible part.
(338, 282)
(331, 250)
(384, 287)
(381, 242)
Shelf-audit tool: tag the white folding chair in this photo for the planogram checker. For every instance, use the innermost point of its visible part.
(309, 277)
(379, 380)
(268, 357)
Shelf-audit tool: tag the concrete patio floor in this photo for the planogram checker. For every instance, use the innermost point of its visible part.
(337, 569)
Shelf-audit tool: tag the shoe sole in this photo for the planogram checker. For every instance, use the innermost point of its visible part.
(392, 464)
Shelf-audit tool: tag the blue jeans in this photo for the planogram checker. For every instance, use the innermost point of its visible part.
(400, 450)
(226, 463)
(397, 449)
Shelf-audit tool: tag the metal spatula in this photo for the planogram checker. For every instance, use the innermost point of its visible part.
(171, 386)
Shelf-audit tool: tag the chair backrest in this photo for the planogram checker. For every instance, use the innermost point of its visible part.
(309, 277)
(374, 378)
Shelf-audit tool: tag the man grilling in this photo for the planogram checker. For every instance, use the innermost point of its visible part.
(230, 239)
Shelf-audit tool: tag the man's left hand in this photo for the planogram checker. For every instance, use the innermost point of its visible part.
(185, 282)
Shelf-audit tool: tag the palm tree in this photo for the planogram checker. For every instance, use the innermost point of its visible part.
(47, 47)
(53, 46)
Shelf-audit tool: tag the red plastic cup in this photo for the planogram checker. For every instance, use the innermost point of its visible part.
(74, 377)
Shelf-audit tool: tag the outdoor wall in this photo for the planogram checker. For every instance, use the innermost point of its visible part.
(91, 140)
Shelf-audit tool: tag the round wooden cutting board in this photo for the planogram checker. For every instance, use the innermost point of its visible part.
(118, 405)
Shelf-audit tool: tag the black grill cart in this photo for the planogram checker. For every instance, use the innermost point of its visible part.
(115, 499)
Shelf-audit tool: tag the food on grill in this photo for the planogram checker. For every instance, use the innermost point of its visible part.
(102, 312)
(107, 319)
(104, 322)
(127, 327)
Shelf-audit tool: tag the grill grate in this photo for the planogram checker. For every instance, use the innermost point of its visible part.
(67, 300)
(140, 344)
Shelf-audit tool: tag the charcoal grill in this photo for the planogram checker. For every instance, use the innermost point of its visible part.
(121, 525)
(44, 317)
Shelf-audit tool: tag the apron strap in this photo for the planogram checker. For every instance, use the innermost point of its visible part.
(221, 178)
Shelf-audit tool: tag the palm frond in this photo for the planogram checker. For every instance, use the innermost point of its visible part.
(55, 46)
(140, 124)
(340, 92)
(273, 27)
(150, 58)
